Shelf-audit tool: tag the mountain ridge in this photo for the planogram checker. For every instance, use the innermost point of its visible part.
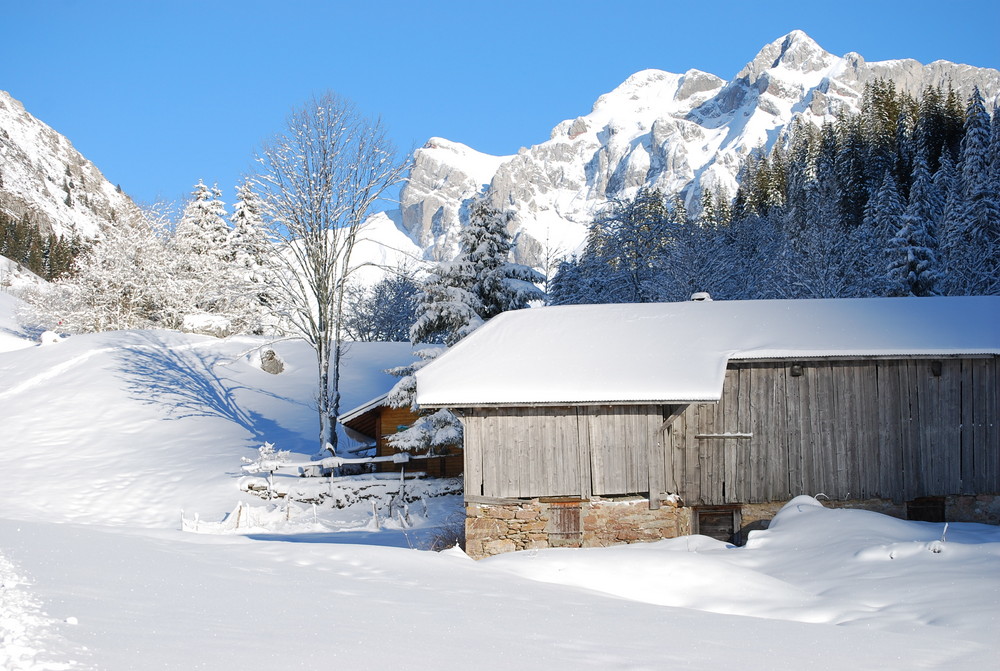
(44, 177)
(680, 133)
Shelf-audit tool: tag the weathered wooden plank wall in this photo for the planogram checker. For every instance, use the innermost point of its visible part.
(884, 428)
(560, 451)
(895, 429)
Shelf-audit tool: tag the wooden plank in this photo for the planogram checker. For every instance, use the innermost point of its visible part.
(599, 469)
(848, 411)
(728, 423)
(991, 385)
(670, 455)
(926, 430)
(868, 430)
(692, 460)
(811, 460)
(843, 416)
(969, 457)
(758, 418)
(489, 449)
(913, 471)
(472, 453)
(951, 423)
(655, 476)
(777, 459)
(584, 453)
(981, 429)
(634, 451)
(793, 431)
(889, 434)
(706, 451)
(492, 500)
(744, 448)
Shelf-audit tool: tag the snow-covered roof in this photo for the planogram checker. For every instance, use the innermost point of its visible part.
(354, 413)
(678, 352)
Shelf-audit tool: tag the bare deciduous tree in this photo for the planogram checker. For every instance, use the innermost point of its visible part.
(317, 182)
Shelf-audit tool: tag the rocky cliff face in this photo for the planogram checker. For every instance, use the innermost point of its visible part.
(678, 133)
(41, 174)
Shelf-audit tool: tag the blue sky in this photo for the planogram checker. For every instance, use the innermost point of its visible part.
(162, 94)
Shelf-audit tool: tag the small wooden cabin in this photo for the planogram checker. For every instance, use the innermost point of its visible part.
(373, 422)
(722, 410)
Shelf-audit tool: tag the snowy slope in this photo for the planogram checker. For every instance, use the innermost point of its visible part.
(135, 426)
(675, 132)
(45, 177)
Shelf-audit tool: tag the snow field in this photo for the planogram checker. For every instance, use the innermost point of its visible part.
(107, 438)
(25, 631)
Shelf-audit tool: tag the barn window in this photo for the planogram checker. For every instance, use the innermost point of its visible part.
(926, 509)
(719, 522)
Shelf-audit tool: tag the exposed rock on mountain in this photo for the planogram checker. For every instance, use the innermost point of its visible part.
(41, 174)
(678, 133)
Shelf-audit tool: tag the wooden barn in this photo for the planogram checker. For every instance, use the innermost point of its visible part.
(373, 422)
(591, 425)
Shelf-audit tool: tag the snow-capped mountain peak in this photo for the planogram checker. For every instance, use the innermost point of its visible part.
(680, 133)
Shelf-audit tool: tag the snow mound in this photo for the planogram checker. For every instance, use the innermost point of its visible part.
(813, 564)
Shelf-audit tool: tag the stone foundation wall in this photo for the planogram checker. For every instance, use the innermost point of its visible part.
(495, 528)
(984, 508)
(492, 529)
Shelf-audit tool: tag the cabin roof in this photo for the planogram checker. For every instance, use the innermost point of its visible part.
(678, 352)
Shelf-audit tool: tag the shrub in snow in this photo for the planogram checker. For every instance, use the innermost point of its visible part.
(206, 324)
(268, 460)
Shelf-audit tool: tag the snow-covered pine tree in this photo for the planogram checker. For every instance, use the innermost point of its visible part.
(567, 286)
(446, 310)
(200, 263)
(437, 432)
(973, 242)
(247, 240)
(850, 165)
(202, 230)
(479, 284)
(913, 263)
(249, 251)
(871, 258)
(498, 283)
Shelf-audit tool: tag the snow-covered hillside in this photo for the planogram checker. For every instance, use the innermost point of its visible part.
(107, 437)
(680, 133)
(138, 425)
(42, 175)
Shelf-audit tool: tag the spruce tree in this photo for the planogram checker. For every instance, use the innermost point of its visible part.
(913, 262)
(498, 284)
(974, 241)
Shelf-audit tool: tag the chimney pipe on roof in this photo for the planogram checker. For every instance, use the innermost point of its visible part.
(701, 296)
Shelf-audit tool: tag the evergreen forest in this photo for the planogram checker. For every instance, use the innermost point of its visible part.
(900, 199)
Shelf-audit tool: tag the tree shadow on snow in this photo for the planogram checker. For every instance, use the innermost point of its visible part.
(186, 380)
